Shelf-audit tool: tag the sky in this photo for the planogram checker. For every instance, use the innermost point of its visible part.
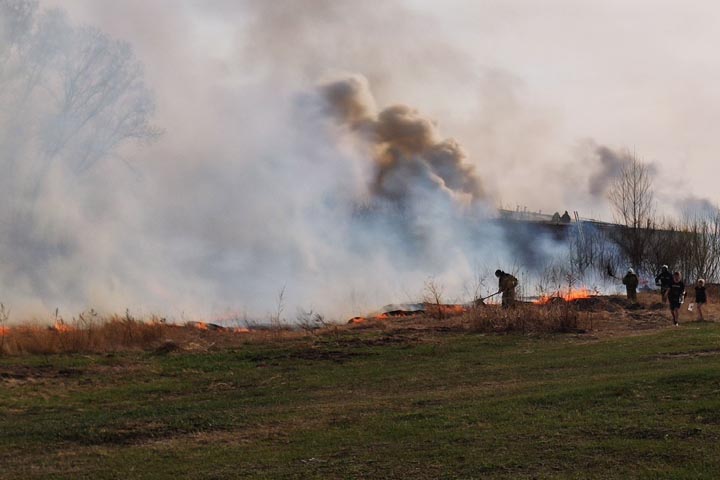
(522, 85)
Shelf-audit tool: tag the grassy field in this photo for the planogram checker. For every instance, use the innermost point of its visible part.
(373, 404)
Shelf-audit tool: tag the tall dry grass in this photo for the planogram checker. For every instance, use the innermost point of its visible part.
(92, 333)
(86, 333)
(560, 317)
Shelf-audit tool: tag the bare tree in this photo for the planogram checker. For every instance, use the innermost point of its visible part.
(591, 250)
(633, 200)
(434, 295)
(70, 98)
(69, 95)
(664, 245)
(700, 252)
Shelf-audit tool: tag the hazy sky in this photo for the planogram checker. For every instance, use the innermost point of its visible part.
(521, 84)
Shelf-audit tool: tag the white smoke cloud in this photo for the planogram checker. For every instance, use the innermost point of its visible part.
(256, 185)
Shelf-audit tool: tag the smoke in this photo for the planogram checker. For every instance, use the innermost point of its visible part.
(610, 165)
(408, 150)
(692, 207)
(274, 170)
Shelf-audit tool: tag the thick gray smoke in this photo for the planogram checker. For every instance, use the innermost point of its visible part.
(609, 165)
(409, 152)
(261, 180)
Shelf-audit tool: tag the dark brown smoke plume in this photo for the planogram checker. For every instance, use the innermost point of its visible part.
(409, 152)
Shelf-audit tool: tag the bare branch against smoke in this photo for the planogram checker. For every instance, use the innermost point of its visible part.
(74, 94)
(633, 199)
(696, 207)
(610, 164)
(70, 97)
(631, 194)
(409, 151)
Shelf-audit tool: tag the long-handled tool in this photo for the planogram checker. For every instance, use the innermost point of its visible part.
(481, 301)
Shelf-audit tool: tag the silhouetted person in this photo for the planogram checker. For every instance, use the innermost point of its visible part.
(630, 280)
(676, 295)
(565, 217)
(700, 298)
(663, 280)
(506, 285)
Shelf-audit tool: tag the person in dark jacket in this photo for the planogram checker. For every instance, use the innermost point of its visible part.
(630, 280)
(676, 295)
(663, 280)
(700, 298)
(506, 285)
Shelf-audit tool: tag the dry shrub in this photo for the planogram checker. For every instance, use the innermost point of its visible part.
(557, 316)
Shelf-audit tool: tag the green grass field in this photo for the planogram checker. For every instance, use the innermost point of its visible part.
(373, 405)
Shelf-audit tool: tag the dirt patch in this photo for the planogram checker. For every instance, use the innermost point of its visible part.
(697, 353)
(310, 354)
(409, 336)
(43, 372)
(337, 356)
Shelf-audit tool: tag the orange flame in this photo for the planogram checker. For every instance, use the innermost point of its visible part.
(61, 326)
(380, 317)
(569, 296)
(4, 331)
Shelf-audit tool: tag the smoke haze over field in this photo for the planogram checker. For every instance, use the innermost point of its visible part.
(343, 151)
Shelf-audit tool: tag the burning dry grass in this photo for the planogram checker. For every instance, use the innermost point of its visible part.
(91, 333)
(577, 313)
(568, 296)
(88, 333)
(548, 315)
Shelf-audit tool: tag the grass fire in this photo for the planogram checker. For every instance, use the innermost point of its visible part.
(331, 239)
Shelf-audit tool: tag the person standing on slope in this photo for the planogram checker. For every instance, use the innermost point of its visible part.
(676, 295)
(663, 280)
(630, 280)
